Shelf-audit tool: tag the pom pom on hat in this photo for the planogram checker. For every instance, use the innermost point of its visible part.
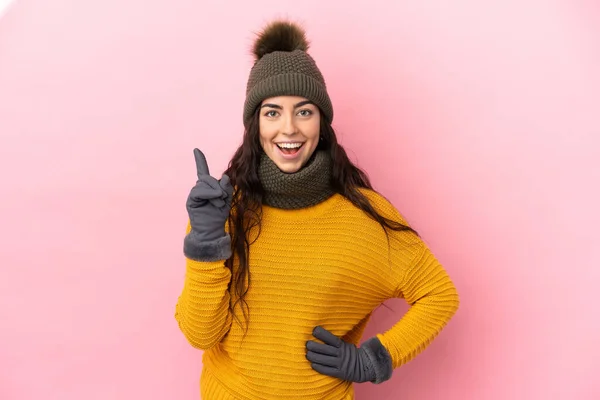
(280, 36)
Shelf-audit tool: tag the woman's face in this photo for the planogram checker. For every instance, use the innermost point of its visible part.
(289, 121)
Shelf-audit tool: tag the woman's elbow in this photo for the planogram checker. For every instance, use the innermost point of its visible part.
(200, 343)
(453, 300)
(197, 339)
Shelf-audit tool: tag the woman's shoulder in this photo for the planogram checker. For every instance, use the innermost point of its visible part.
(383, 205)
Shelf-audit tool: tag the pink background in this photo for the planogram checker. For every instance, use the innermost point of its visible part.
(480, 122)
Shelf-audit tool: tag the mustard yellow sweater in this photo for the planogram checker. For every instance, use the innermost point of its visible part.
(326, 265)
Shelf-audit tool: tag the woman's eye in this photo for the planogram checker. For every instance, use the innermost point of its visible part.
(305, 113)
(271, 113)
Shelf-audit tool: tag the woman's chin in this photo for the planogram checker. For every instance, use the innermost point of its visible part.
(289, 168)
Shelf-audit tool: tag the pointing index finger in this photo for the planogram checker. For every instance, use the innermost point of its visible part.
(201, 165)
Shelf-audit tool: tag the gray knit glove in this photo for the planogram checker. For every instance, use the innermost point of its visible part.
(208, 206)
(369, 363)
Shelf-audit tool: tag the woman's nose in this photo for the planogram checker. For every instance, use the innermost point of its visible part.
(289, 127)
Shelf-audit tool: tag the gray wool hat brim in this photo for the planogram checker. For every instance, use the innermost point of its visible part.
(289, 84)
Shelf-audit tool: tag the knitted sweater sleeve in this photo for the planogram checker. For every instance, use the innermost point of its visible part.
(202, 309)
(433, 301)
(423, 283)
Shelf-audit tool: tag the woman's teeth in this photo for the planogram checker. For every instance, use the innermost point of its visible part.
(289, 148)
(289, 145)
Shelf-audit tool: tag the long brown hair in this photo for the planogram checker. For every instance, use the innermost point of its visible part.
(246, 210)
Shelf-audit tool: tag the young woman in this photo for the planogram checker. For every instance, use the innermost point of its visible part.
(288, 254)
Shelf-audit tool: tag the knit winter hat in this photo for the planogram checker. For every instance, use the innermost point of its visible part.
(283, 67)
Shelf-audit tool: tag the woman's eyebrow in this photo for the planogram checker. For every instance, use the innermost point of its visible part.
(302, 103)
(271, 105)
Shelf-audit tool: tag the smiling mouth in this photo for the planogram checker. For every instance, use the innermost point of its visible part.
(290, 150)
